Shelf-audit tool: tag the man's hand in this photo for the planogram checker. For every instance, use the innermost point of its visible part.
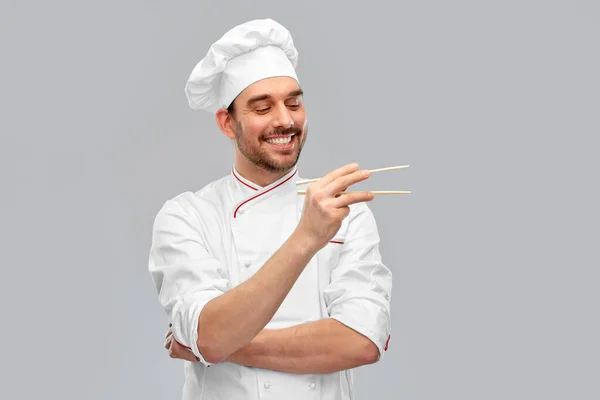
(325, 208)
(177, 350)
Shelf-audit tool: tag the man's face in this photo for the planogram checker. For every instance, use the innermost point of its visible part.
(270, 123)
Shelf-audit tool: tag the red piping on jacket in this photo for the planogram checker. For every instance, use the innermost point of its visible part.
(242, 182)
(333, 241)
(260, 194)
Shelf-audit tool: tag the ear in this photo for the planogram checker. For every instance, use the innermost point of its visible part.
(225, 122)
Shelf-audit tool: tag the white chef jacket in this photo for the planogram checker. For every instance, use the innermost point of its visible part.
(204, 243)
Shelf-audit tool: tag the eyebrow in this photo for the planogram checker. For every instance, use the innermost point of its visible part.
(258, 98)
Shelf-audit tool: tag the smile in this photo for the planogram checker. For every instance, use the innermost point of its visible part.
(280, 140)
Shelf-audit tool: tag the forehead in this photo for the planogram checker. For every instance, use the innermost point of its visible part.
(275, 87)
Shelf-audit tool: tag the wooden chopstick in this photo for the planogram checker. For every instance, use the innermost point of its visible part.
(371, 171)
(371, 191)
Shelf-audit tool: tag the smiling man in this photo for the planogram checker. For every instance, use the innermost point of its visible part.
(270, 294)
(268, 123)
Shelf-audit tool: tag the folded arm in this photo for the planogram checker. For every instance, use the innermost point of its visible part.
(214, 321)
(318, 347)
(357, 331)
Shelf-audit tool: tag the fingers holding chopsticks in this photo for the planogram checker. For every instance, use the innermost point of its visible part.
(342, 183)
(302, 182)
(336, 182)
(324, 210)
(351, 198)
(335, 174)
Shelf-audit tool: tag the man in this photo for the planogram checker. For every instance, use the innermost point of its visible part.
(269, 293)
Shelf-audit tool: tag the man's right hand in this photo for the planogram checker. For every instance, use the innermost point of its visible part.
(325, 208)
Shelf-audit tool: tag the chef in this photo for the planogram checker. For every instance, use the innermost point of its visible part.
(270, 294)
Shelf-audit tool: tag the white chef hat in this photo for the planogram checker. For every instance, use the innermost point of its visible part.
(247, 53)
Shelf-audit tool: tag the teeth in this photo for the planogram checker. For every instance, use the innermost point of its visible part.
(285, 140)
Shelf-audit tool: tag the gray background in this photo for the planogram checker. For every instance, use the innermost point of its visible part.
(495, 105)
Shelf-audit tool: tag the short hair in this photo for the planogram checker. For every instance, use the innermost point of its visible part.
(231, 109)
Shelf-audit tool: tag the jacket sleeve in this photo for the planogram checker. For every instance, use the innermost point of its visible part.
(360, 289)
(184, 273)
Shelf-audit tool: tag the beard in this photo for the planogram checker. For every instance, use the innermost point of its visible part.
(261, 157)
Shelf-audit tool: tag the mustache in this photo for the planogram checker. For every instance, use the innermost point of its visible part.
(284, 131)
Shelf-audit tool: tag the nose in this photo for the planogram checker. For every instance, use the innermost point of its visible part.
(281, 116)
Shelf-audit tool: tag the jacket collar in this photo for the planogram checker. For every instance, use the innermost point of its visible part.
(252, 191)
(244, 184)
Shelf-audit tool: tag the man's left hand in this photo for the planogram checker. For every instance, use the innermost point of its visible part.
(177, 350)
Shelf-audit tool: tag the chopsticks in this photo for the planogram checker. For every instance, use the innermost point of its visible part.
(372, 191)
(371, 171)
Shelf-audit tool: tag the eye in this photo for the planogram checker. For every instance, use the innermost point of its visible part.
(295, 103)
(262, 110)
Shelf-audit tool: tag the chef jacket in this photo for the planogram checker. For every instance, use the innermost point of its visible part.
(204, 243)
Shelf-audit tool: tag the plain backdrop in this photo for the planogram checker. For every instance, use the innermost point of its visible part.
(495, 254)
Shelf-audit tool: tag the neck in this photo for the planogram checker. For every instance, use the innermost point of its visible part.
(256, 174)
